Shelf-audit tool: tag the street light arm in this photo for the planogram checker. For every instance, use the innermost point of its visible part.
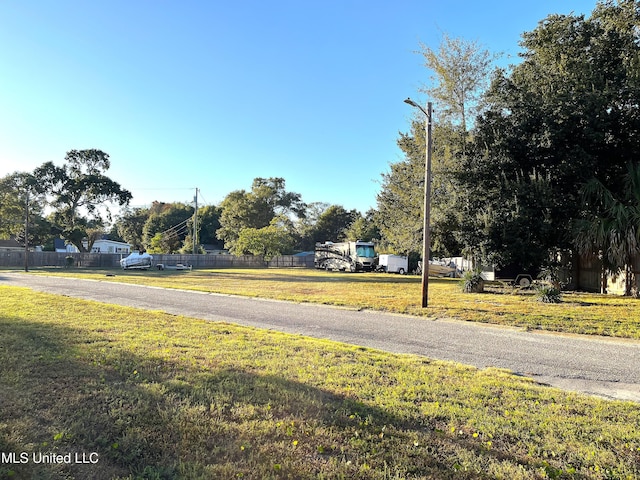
(414, 104)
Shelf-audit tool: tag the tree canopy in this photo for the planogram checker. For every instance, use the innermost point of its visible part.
(79, 193)
(567, 114)
(256, 209)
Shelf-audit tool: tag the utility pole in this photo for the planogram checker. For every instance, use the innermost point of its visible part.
(195, 223)
(427, 201)
(26, 230)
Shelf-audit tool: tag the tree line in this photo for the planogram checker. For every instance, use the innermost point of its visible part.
(79, 197)
(540, 162)
(531, 162)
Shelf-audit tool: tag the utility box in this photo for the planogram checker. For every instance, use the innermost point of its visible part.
(393, 264)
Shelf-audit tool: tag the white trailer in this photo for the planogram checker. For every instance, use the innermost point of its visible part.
(393, 263)
(136, 260)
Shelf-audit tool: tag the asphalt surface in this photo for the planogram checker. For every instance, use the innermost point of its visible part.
(600, 366)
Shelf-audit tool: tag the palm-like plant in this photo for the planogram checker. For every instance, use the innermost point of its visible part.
(611, 230)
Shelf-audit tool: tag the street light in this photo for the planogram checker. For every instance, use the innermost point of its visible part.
(427, 201)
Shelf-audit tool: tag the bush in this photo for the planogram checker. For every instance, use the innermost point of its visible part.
(546, 293)
(472, 282)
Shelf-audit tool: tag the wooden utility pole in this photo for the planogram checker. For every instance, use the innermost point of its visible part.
(426, 244)
(26, 230)
(195, 223)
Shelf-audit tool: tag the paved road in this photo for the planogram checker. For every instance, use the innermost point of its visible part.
(599, 366)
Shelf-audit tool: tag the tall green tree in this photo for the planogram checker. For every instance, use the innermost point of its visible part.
(21, 207)
(459, 77)
(130, 226)
(333, 223)
(270, 241)
(566, 114)
(267, 199)
(79, 193)
(167, 227)
(459, 70)
(364, 227)
(208, 225)
(305, 227)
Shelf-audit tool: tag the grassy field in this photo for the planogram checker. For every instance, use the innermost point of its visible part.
(157, 396)
(578, 313)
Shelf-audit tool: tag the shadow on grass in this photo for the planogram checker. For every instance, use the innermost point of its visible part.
(67, 391)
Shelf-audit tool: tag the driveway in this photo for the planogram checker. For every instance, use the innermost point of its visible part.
(600, 366)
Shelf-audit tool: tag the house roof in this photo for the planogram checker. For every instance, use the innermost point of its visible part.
(10, 243)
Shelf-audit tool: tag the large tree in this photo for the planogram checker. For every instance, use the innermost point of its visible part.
(130, 226)
(167, 227)
(270, 241)
(566, 114)
(459, 70)
(79, 193)
(267, 199)
(332, 224)
(21, 210)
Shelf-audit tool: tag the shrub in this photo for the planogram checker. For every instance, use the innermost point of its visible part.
(546, 293)
(472, 282)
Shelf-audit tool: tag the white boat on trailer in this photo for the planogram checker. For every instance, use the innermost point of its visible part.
(136, 260)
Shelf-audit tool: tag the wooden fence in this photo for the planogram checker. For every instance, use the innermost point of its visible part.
(590, 276)
(112, 260)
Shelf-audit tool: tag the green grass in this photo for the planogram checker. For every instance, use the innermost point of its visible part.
(580, 313)
(161, 396)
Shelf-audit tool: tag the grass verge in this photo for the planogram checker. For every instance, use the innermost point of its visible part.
(161, 396)
(580, 313)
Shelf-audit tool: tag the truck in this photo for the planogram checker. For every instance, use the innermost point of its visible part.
(137, 260)
(346, 256)
(393, 263)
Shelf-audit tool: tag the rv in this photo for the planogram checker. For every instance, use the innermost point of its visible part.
(346, 256)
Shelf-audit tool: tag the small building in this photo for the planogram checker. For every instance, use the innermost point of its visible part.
(110, 246)
(11, 245)
(61, 246)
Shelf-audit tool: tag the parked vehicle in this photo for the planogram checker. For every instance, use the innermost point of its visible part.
(438, 269)
(393, 264)
(512, 274)
(346, 256)
(141, 261)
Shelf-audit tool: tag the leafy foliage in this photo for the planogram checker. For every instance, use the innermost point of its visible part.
(566, 115)
(18, 192)
(166, 227)
(547, 293)
(459, 71)
(79, 192)
(611, 227)
(472, 282)
(255, 209)
(267, 242)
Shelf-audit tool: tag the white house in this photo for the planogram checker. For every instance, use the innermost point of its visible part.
(110, 246)
(63, 247)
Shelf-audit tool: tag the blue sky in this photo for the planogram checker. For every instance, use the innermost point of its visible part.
(211, 94)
